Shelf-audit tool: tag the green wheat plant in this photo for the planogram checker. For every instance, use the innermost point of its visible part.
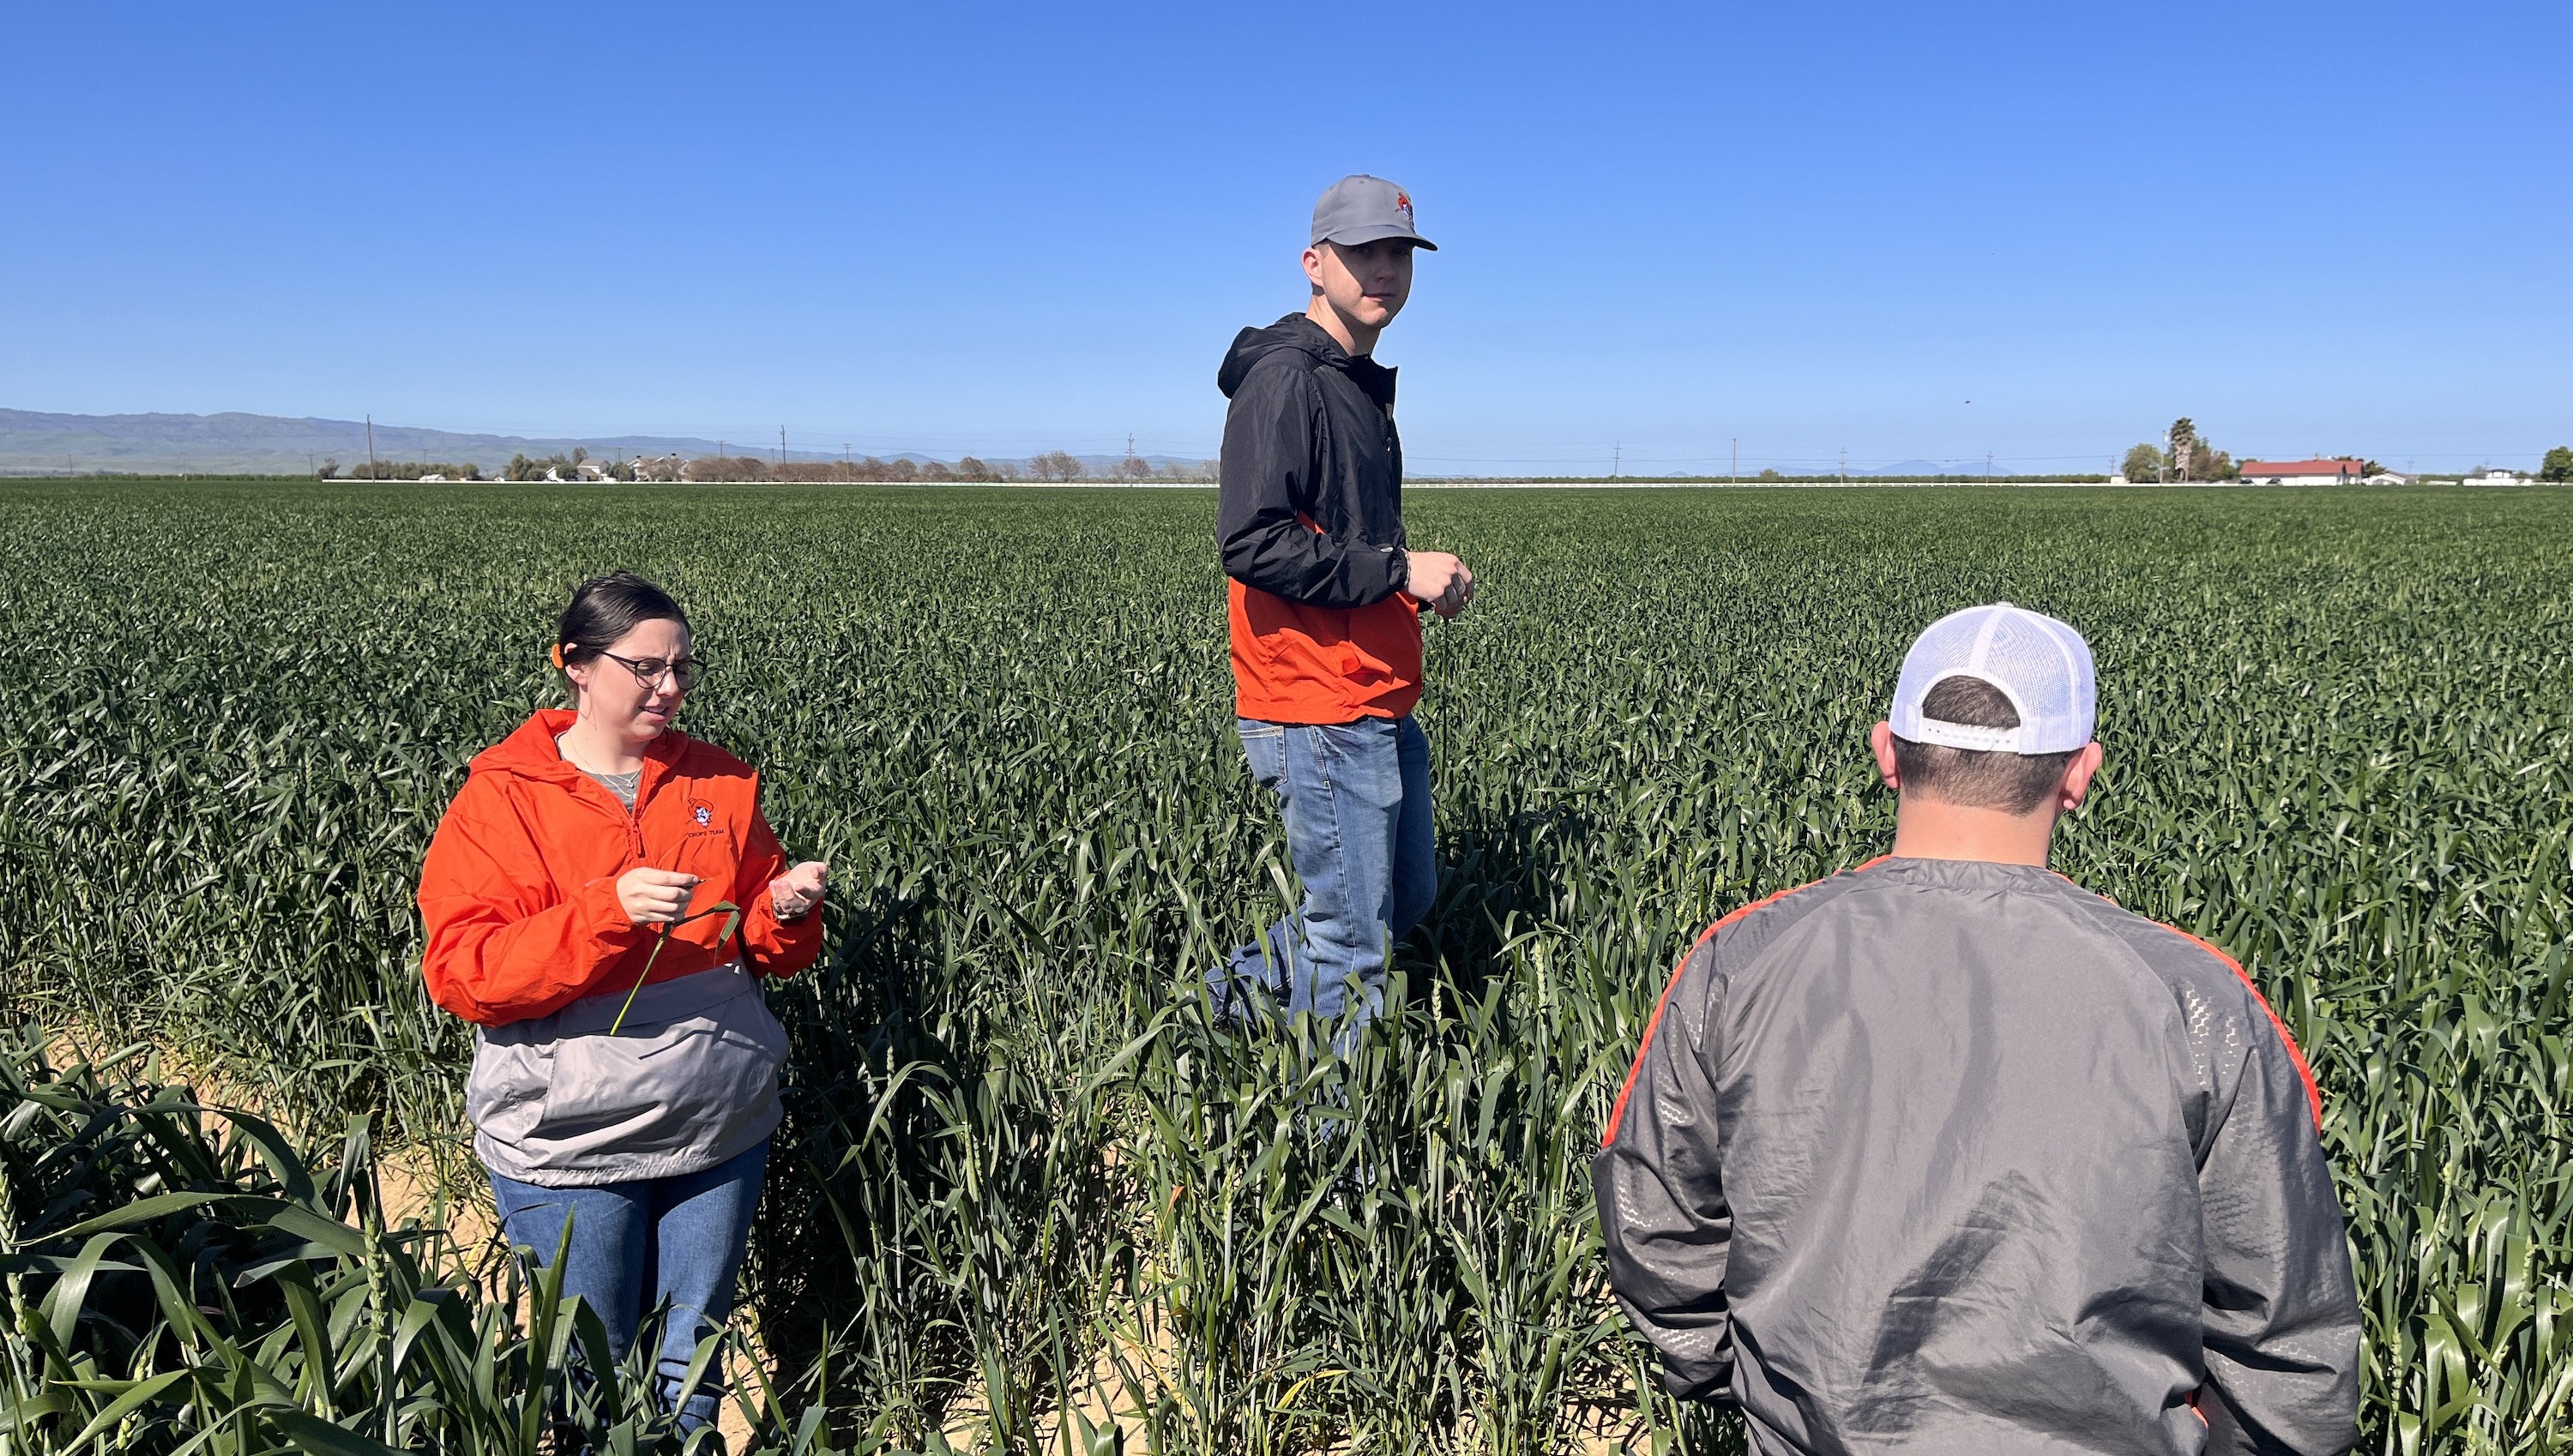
(182, 1278)
(1030, 1193)
(732, 919)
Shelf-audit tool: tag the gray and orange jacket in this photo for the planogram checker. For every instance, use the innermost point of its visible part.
(1952, 1156)
(1310, 521)
(527, 938)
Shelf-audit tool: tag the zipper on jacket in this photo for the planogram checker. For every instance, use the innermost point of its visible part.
(634, 818)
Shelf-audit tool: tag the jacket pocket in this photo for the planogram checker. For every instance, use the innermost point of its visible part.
(504, 1093)
(759, 1029)
(682, 1083)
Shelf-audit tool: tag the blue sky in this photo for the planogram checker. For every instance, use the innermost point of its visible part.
(998, 229)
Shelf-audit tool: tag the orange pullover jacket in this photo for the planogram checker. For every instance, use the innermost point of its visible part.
(519, 893)
(1310, 521)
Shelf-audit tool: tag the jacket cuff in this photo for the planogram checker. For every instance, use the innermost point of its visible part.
(601, 918)
(779, 948)
(1378, 572)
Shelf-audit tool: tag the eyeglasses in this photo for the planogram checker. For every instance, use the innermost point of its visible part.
(685, 671)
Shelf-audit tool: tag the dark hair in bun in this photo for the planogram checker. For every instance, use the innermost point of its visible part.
(606, 608)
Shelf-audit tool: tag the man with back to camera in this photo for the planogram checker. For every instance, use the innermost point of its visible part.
(1325, 603)
(1944, 1154)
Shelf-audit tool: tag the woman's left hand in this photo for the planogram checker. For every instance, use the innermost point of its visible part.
(796, 892)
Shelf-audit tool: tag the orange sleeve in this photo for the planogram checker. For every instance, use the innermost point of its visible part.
(778, 948)
(504, 942)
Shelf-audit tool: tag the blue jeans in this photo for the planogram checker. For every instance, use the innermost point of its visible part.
(637, 1244)
(1356, 801)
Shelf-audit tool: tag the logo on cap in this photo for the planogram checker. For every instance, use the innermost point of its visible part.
(1402, 201)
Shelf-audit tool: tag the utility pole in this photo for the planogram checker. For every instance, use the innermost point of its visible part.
(371, 448)
(1616, 458)
(1988, 467)
(1737, 459)
(1844, 464)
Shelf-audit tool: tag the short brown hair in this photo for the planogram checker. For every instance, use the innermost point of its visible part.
(2015, 783)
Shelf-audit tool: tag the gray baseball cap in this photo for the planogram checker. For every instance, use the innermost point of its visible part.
(1362, 209)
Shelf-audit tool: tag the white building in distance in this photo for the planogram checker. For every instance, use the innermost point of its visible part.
(2303, 472)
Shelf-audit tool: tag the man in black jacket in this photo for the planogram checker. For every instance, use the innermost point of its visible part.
(1325, 603)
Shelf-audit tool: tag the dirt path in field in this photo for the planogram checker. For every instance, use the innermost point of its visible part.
(1133, 1367)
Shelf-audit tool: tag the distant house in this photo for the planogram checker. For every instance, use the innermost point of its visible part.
(2392, 478)
(2303, 472)
(2495, 475)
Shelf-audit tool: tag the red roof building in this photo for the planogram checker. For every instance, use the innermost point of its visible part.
(2305, 472)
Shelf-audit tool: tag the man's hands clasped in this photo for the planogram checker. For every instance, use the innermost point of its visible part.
(1439, 581)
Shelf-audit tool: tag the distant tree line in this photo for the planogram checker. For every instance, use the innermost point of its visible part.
(401, 471)
(840, 473)
(522, 466)
(1052, 465)
(2188, 458)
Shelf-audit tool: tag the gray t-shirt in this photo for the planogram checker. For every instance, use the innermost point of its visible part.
(623, 786)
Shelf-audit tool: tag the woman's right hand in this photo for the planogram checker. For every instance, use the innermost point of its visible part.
(655, 897)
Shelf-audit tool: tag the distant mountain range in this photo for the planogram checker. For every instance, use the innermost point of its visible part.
(31, 442)
(36, 443)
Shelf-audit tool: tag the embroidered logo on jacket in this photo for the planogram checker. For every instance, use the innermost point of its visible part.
(703, 814)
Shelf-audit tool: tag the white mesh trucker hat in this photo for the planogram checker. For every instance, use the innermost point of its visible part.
(2039, 663)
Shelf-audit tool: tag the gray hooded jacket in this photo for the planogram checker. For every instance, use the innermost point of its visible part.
(1952, 1156)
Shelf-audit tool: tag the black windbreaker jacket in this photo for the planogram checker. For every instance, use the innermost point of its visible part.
(1309, 434)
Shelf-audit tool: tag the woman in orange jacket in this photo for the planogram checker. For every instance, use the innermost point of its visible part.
(577, 905)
